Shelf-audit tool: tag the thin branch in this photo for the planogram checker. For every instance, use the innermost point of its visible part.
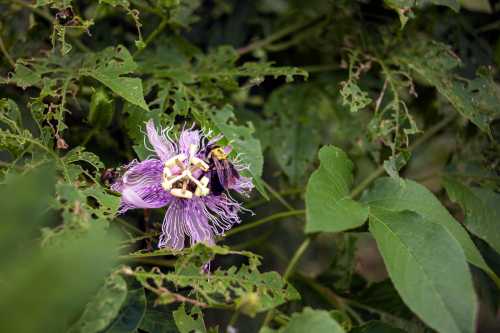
(276, 36)
(6, 53)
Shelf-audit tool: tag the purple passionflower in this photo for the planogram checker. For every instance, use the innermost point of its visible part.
(192, 177)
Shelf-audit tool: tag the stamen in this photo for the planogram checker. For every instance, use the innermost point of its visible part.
(185, 177)
(175, 160)
(199, 163)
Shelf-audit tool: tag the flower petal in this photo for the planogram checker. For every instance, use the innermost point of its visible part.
(223, 212)
(140, 186)
(187, 139)
(163, 147)
(185, 218)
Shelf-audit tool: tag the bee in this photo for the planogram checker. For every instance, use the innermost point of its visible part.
(223, 174)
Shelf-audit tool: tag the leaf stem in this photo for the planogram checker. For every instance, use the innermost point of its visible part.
(153, 35)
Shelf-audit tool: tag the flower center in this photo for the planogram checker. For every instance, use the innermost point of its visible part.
(181, 175)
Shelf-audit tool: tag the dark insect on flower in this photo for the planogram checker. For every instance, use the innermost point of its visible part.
(109, 176)
(65, 16)
(223, 174)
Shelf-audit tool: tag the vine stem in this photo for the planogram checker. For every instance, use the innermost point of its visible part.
(6, 53)
(270, 218)
(275, 36)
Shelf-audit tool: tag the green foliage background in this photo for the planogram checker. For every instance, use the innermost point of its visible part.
(372, 133)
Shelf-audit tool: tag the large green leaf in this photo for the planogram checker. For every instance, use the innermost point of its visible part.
(482, 210)
(428, 268)
(403, 195)
(329, 207)
(376, 327)
(43, 287)
(104, 307)
(310, 320)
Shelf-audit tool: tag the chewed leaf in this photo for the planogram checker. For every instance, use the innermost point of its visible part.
(355, 98)
(435, 63)
(110, 67)
(244, 287)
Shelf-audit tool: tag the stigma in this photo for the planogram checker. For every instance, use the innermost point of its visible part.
(181, 175)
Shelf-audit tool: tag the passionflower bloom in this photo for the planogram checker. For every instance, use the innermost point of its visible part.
(193, 177)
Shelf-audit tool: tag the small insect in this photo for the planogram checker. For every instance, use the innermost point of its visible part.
(223, 174)
(65, 16)
(109, 176)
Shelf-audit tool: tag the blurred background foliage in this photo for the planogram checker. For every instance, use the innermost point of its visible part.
(407, 88)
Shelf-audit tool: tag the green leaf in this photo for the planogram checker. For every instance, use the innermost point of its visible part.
(482, 210)
(294, 112)
(329, 207)
(110, 67)
(309, 320)
(104, 307)
(403, 195)
(131, 314)
(189, 321)
(428, 268)
(242, 139)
